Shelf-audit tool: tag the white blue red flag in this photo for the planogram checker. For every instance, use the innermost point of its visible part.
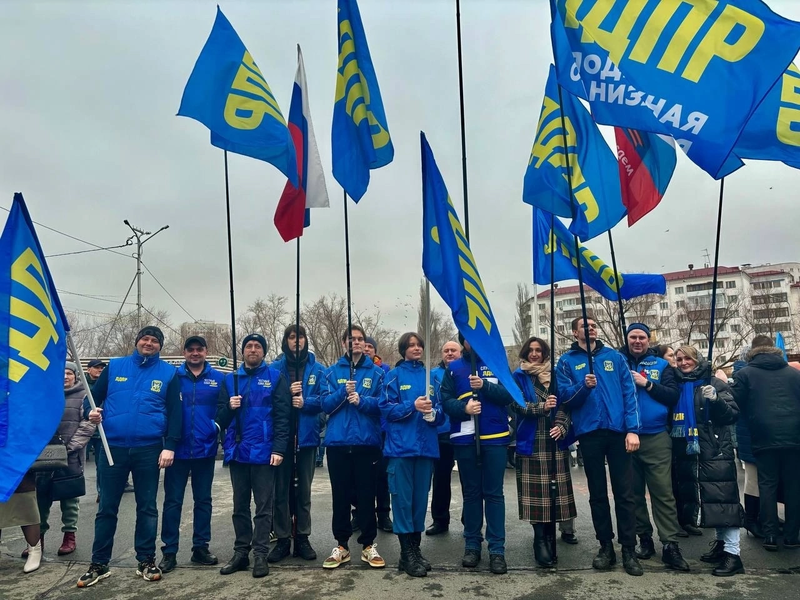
(646, 162)
(293, 214)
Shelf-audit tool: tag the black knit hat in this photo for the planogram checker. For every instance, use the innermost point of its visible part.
(151, 330)
(255, 337)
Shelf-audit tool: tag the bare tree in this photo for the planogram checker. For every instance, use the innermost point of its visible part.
(269, 317)
(325, 320)
(441, 327)
(385, 337)
(116, 336)
(642, 309)
(523, 324)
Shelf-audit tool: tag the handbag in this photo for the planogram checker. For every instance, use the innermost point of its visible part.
(69, 486)
(52, 458)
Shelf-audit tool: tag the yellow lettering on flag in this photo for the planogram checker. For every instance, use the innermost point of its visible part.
(243, 112)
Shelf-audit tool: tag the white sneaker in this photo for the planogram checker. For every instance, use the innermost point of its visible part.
(338, 556)
(370, 555)
(34, 558)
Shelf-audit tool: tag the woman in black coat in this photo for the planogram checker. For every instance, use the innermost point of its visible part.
(704, 464)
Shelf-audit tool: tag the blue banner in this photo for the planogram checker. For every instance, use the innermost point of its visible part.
(360, 138)
(596, 274)
(695, 71)
(449, 265)
(597, 204)
(33, 350)
(227, 93)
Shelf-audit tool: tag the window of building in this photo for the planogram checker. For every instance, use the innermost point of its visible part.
(703, 344)
(730, 284)
(732, 300)
(770, 313)
(770, 298)
(773, 328)
(679, 290)
(735, 327)
(664, 305)
(680, 304)
(541, 306)
(701, 287)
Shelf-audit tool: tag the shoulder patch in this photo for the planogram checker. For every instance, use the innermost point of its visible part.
(367, 383)
(155, 386)
(312, 379)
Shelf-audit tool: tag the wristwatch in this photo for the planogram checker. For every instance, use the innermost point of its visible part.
(649, 386)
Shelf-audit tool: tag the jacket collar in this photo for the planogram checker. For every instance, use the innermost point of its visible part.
(598, 346)
(145, 361)
(187, 372)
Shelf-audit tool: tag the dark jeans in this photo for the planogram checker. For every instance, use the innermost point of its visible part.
(598, 447)
(482, 489)
(257, 481)
(442, 474)
(175, 479)
(352, 470)
(142, 463)
(294, 500)
(95, 445)
(777, 467)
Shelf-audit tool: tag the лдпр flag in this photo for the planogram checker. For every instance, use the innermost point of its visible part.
(360, 138)
(597, 204)
(646, 163)
(596, 274)
(449, 265)
(227, 93)
(293, 213)
(33, 350)
(695, 71)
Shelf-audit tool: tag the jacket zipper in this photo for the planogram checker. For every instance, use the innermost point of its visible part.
(191, 431)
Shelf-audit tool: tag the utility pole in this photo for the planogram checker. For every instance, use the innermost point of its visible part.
(140, 240)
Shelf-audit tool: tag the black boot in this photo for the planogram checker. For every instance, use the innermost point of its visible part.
(730, 565)
(751, 524)
(770, 543)
(716, 554)
(239, 562)
(692, 530)
(541, 549)
(282, 549)
(550, 531)
(260, 566)
(672, 557)
(606, 557)
(303, 549)
(385, 522)
(416, 540)
(408, 562)
(646, 547)
(630, 562)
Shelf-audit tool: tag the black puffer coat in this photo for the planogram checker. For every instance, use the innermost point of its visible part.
(706, 489)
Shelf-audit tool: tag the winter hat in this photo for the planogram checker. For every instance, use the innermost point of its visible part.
(639, 326)
(72, 367)
(151, 330)
(372, 342)
(255, 337)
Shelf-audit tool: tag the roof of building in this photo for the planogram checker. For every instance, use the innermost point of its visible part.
(755, 274)
(697, 273)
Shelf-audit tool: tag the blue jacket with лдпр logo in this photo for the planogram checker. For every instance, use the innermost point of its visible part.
(313, 382)
(199, 395)
(655, 404)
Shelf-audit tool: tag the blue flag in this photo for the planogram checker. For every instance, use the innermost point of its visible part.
(596, 274)
(33, 350)
(694, 71)
(597, 204)
(780, 344)
(448, 264)
(360, 138)
(227, 93)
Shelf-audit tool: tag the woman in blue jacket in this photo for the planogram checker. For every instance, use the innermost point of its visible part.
(412, 416)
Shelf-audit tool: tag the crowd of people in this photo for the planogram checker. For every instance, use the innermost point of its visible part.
(652, 419)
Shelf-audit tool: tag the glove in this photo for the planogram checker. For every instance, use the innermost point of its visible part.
(429, 417)
(709, 392)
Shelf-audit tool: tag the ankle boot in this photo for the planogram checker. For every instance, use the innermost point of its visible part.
(550, 531)
(68, 544)
(630, 562)
(416, 540)
(672, 557)
(606, 557)
(541, 549)
(408, 562)
(34, 558)
(28, 548)
(751, 524)
(716, 554)
(646, 547)
(730, 565)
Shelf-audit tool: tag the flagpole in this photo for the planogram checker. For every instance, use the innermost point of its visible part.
(616, 285)
(233, 305)
(716, 273)
(553, 477)
(427, 337)
(297, 377)
(473, 362)
(347, 272)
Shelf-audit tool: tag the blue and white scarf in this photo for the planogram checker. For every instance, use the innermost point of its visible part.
(684, 420)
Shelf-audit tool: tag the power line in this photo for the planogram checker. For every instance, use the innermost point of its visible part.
(164, 323)
(167, 292)
(100, 298)
(85, 251)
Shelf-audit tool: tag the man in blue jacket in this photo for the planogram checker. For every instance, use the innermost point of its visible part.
(657, 392)
(605, 417)
(256, 421)
(353, 440)
(195, 455)
(139, 403)
(306, 377)
(463, 396)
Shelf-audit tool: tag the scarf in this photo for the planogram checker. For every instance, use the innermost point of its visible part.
(684, 419)
(539, 370)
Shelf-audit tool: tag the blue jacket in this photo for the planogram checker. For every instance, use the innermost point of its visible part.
(455, 392)
(350, 425)
(611, 405)
(437, 375)
(313, 381)
(260, 427)
(199, 397)
(141, 402)
(655, 406)
(407, 432)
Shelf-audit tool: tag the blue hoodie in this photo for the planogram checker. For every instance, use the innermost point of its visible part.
(408, 434)
(611, 405)
(313, 382)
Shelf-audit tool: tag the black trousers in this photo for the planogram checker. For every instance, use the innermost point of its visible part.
(598, 447)
(257, 481)
(383, 501)
(779, 467)
(442, 474)
(353, 469)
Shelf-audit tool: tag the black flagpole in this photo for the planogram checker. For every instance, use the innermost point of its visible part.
(296, 411)
(349, 301)
(553, 448)
(233, 306)
(716, 272)
(622, 324)
(473, 362)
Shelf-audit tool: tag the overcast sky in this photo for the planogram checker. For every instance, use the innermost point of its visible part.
(88, 126)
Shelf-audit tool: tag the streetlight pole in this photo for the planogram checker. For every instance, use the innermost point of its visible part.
(140, 240)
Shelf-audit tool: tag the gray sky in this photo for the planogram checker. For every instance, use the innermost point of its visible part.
(87, 118)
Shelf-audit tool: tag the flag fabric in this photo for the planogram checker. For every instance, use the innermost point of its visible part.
(227, 93)
(596, 274)
(449, 265)
(360, 138)
(292, 213)
(780, 344)
(33, 350)
(646, 162)
(773, 132)
(597, 204)
(695, 71)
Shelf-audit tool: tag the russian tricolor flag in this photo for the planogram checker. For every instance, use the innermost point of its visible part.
(646, 163)
(292, 214)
